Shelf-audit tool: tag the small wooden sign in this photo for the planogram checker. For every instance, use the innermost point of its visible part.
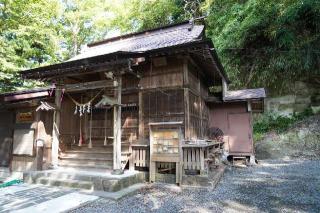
(23, 142)
(24, 117)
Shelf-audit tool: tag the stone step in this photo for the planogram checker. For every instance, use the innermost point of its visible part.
(85, 179)
(98, 148)
(64, 173)
(4, 173)
(86, 154)
(73, 162)
(65, 183)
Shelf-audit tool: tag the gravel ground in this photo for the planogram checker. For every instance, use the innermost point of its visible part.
(272, 186)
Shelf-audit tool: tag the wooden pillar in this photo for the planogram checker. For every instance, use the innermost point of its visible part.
(55, 129)
(141, 120)
(187, 134)
(224, 87)
(40, 147)
(39, 143)
(117, 128)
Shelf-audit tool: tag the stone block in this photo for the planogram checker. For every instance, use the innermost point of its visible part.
(303, 100)
(315, 109)
(301, 107)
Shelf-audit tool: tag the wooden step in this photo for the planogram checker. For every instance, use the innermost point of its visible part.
(84, 158)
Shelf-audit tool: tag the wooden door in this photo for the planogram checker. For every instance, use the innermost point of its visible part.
(6, 122)
(240, 133)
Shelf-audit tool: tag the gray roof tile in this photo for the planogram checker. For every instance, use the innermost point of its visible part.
(245, 94)
(148, 40)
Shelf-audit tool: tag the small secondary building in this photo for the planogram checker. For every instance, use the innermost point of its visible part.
(141, 101)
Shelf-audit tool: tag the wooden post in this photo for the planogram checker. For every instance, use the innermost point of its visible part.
(39, 144)
(224, 87)
(40, 147)
(202, 171)
(117, 129)
(131, 159)
(187, 134)
(141, 120)
(152, 164)
(55, 129)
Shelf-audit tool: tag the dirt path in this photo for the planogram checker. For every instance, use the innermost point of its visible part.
(272, 186)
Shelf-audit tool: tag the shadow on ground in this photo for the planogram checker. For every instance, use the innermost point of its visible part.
(271, 186)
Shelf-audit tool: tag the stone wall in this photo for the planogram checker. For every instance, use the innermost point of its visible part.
(305, 95)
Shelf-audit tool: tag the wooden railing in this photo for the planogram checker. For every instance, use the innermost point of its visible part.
(140, 156)
(196, 156)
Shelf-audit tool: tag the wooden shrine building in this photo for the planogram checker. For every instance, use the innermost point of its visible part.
(139, 101)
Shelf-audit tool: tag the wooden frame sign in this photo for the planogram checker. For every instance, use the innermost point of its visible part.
(24, 117)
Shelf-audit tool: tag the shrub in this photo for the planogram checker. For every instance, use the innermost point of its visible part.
(278, 123)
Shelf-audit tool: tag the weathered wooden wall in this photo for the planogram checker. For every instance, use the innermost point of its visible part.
(161, 94)
(69, 124)
(218, 116)
(197, 90)
(22, 163)
(6, 130)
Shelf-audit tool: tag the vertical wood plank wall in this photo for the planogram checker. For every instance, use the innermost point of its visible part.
(198, 109)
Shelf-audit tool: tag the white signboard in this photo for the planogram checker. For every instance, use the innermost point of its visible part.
(23, 141)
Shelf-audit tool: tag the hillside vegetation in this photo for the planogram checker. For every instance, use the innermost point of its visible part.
(282, 137)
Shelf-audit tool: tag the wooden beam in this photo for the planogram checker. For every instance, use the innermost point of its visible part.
(55, 129)
(117, 128)
(26, 96)
(72, 68)
(89, 85)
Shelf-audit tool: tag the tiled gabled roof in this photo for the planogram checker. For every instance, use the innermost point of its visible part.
(145, 41)
(245, 94)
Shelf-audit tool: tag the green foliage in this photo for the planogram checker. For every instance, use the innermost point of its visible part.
(277, 123)
(82, 22)
(266, 43)
(28, 38)
(137, 15)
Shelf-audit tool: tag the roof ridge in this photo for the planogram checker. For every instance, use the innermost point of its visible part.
(135, 33)
(133, 37)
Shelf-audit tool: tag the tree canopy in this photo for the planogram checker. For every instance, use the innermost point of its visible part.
(260, 43)
(267, 43)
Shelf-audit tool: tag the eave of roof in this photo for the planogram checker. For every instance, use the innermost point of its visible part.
(26, 91)
(122, 57)
(25, 94)
(245, 94)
